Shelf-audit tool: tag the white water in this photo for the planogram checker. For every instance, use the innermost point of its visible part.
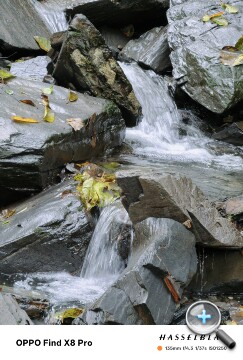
(157, 136)
(102, 265)
(53, 16)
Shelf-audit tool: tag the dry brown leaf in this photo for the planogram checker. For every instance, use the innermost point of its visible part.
(188, 224)
(28, 102)
(170, 283)
(66, 192)
(24, 119)
(6, 213)
(76, 123)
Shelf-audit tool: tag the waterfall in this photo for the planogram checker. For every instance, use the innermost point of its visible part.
(102, 264)
(52, 14)
(158, 136)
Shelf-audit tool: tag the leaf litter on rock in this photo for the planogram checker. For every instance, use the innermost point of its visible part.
(76, 123)
(21, 119)
(49, 116)
(43, 43)
(27, 102)
(232, 55)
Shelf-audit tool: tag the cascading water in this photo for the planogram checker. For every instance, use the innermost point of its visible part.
(102, 264)
(157, 136)
(52, 14)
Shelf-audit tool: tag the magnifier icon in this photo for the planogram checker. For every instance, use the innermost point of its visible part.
(203, 318)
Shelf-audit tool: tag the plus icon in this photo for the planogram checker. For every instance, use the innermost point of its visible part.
(204, 317)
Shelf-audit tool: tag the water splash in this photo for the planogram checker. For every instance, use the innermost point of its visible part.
(158, 137)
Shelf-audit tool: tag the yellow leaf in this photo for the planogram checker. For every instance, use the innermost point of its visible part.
(43, 43)
(8, 213)
(49, 116)
(48, 91)
(230, 8)
(5, 75)
(239, 44)
(206, 18)
(76, 123)
(72, 96)
(238, 61)
(24, 119)
(71, 313)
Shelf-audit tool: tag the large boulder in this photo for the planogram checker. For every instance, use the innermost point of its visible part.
(49, 232)
(11, 313)
(163, 256)
(150, 50)
(33, 154)
(196, 49)
(86, 62)
(19, 24)
(178, 198)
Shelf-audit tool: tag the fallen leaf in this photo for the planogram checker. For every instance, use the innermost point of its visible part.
(45, 100)
(24, 119)
(72, 96)
(48, 91)
(218, 14)
(230, 8)
(230, 48)
(9, 92)
(5, 75)
(76, 123)
(206, 18)
(239, 44)
(97, 190)
(171, 285)
(239, 60)
(71, 313)
(43, 43)
(188, 224)
(28, 102)
(66, 192)
(220, 21)
(6, 213)
(49, 116)
(110, 166)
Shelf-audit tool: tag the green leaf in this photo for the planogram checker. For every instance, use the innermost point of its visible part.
(230, 8)
(110, 165)
(71, 313)
(239, 44)
(9, 92)
(206, 18)
(72, 96)
(5, 75)
(43, 43)
(48, 91)
(220, 21)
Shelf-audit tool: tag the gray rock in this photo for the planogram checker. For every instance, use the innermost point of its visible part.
(114, 38)
(19, 24)
(11, 313)
(86, 62)
(151, 50)
(179, 199)
(234, 206)
(33, 154)
(116, 12)
(232, 134)
(219, 271)
(49, 232)
(162, 248)
(196, 54)
(32, 69)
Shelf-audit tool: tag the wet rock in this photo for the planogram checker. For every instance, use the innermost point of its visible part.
(179, 199)
(87, 63)
(196, 54)
(19, 24)
(150, 50)
(162, 248)
(234, 206)
(32, 69)
(117, 12)
(33, 154)
(114, 38)
(11, 313)
(219, 271)
(232, 134)
(49, 232)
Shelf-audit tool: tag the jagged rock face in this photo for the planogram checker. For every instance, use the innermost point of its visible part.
(163, 248)
(196, 49)
(87, 62)
(49, 232)
(11, 313)
(179, 199)
(150, 50)
(33, 154)
(19, 24)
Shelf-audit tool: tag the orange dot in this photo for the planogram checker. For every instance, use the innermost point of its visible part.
(159, 348)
